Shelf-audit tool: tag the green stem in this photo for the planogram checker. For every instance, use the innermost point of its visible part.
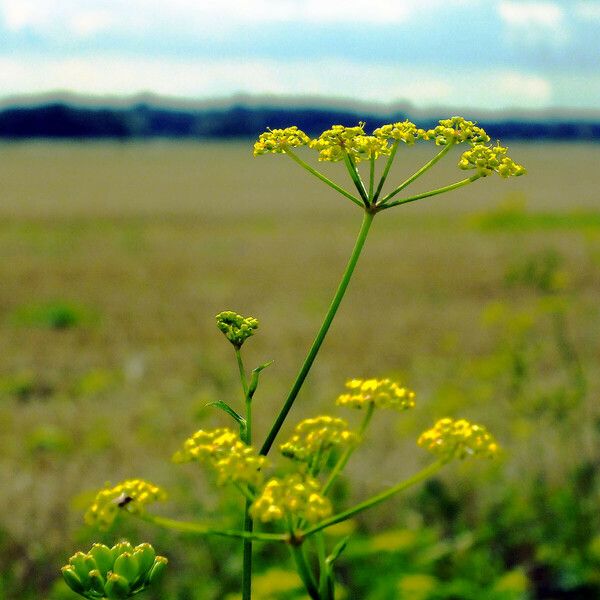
(322, 177)
(371, 177)
(420, 172)
(447, 188)
(386, 171)
(306, 575)
(316, 345)
(247, 558)
(343, 460)
(325, 575)
(200, 529)
(240, 363)
(355, 176)
(347, 514)
(248, 524)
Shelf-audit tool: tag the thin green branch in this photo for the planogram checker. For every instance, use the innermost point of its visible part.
(201, 529)
(418, 173)
(316, 345)
(322, 177)
(371, 177)
(355, 176)
(345, 457)
(242, 370)
(304, 570)
(447, 188)
(386, 170)
(347, 514)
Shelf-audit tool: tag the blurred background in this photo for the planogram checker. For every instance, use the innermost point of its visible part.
(132, 211)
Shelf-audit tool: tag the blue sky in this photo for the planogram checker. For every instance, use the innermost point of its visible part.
(494, 54)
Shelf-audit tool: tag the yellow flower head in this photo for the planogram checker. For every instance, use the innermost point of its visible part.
(293, 496)
(333, 143)
(404, 131)
(458, 439)
(382, 393)
(313, 437)
(233, 460)
(276, 141)
(132, 495)
(457, 130)
(490, 159)
(235, 328)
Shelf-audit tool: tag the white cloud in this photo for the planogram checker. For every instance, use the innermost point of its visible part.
(324, 77)
(89, 17)
(533, 23)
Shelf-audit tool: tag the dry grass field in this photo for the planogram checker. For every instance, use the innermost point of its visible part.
(137, 246)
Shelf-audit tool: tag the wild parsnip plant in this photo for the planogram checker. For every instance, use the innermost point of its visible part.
(288, 501)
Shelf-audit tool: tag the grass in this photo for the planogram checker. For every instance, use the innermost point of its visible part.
(155, 239)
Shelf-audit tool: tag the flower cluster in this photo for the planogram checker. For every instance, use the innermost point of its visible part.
(457, 130)
(132, 495)
(313, 437)
(404, 131)
(233, 460)
(293, 496)
(237, 329)
(458, 439)
(490, 159)
(115, 573)
(276, 141)
(333, 144)
(381, 393)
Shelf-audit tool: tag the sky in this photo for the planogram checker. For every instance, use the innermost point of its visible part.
(486, 54)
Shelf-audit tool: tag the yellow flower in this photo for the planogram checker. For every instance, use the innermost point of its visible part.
(489, 159)
(276, 141)
(404, 131)
(293, 496)
(333, 143)
(458, 439)
(382, 393)
(132, 495)
(237, 329)
(313, 437)
(457, 130)
(233, 460)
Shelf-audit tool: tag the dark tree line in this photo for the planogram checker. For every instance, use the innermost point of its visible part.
(60, 120)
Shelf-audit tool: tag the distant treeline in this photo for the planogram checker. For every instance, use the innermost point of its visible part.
(61, 120)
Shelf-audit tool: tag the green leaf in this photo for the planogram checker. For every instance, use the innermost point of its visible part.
(232, 413)
(254, 379)
(337, 550)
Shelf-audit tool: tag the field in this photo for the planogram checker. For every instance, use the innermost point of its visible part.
(115, 259)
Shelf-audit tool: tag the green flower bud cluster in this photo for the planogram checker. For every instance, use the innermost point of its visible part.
(450, 438)
(233, 460)
(237, 329)
(275, 141)
(457, 130)
(293, 496)
(132, 495)
(490, 159)
(333, 144)
(313, 437)
(114, 573)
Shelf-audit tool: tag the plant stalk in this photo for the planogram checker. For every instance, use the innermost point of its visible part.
(316, 345)
(347, 514)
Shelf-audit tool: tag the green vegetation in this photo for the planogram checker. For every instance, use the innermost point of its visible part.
(154, 268)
